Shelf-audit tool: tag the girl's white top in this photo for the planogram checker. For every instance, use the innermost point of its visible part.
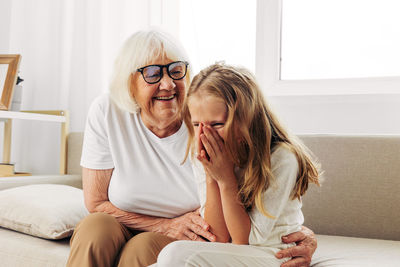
(265, 231)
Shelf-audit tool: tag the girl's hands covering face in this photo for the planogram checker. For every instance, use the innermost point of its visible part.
(213, 155)
(200, 146)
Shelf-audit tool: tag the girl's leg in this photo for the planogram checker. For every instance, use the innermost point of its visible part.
(207, 254)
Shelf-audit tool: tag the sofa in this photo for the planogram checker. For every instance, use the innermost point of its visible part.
(355, 213)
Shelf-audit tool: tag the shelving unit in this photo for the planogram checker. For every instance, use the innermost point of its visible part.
(60, 116)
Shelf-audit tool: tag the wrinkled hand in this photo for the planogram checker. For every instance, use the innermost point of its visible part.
(190, 226)
(302, 253)
(214, 156)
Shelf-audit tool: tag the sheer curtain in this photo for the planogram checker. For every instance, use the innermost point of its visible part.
(67, 49)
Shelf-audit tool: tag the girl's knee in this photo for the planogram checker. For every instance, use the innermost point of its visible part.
(174, 254)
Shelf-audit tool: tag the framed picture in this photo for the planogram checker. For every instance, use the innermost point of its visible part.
(8, 77)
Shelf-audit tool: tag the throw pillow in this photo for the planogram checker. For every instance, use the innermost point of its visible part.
(49, 211)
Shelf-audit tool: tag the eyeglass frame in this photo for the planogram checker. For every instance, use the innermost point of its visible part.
(162, 71)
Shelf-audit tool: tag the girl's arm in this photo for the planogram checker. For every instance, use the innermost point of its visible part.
(213, 213)
(236, 217)
(220, 169)
(95, 190)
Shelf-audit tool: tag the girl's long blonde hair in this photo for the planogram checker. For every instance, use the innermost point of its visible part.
(252, 122)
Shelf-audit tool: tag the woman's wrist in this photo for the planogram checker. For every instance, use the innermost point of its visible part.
(161, 226)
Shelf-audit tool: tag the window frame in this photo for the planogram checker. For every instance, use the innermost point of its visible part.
(268, 64)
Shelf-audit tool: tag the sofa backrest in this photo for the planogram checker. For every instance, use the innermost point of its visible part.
(360, 195)
(74, 152)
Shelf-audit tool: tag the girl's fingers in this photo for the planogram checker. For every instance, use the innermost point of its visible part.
(217, 138)
(202, 156)
(211, 139)
(199, 143)
(207, 145)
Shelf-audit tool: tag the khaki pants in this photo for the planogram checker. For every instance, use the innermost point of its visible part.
(100, 240)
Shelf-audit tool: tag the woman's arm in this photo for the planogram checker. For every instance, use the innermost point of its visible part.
(95, 189)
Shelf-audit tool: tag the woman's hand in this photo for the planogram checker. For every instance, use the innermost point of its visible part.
(214, 156)
(302, 253)
(190, 226)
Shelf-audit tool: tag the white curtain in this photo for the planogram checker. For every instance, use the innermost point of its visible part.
(67, 48)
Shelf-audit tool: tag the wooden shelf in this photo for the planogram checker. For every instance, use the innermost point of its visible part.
(60, 116)
(32, 115)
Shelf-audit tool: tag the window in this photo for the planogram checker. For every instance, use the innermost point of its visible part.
(332, 39)
(213, 30)
(328, 47)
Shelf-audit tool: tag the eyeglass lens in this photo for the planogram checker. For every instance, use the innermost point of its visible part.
(175, 70)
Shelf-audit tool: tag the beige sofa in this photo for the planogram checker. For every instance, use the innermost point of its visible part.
(355, 213)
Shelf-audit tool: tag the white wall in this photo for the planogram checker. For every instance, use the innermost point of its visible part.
(342, 114)
(5, 13)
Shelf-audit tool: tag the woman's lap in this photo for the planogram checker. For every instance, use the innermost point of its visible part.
(100, 240)
(143, 249)
(207, 254)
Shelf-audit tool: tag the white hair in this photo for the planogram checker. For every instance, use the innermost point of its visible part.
(141, 49)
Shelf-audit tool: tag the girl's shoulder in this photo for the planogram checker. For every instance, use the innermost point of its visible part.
(283, 156)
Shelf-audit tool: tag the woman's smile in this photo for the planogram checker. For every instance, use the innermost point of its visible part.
(165, 98)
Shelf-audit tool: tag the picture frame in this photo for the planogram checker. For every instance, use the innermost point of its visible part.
(9, 65)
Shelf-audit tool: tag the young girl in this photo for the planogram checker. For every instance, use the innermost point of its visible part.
(251, 173)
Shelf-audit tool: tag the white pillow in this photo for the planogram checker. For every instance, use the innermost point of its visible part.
(45, 210)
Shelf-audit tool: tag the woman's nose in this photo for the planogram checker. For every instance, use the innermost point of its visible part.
(166, 82)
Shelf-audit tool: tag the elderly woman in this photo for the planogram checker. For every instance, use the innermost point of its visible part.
(140, 196)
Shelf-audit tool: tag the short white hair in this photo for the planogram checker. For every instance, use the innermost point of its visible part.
(139, 50)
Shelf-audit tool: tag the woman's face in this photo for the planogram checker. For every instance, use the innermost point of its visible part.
(208, 110)
(160, 103)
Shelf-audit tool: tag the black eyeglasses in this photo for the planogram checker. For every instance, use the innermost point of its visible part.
(154, 73)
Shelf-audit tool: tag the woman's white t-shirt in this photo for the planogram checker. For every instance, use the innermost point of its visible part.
(148, 176)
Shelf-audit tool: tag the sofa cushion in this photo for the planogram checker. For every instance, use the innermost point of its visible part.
(350, 251)
(46, 210)
(21, 250)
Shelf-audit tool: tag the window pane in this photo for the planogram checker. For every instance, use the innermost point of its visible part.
(340, 39)
(215, 30)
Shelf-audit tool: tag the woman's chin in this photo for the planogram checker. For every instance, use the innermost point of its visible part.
(167, 115)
